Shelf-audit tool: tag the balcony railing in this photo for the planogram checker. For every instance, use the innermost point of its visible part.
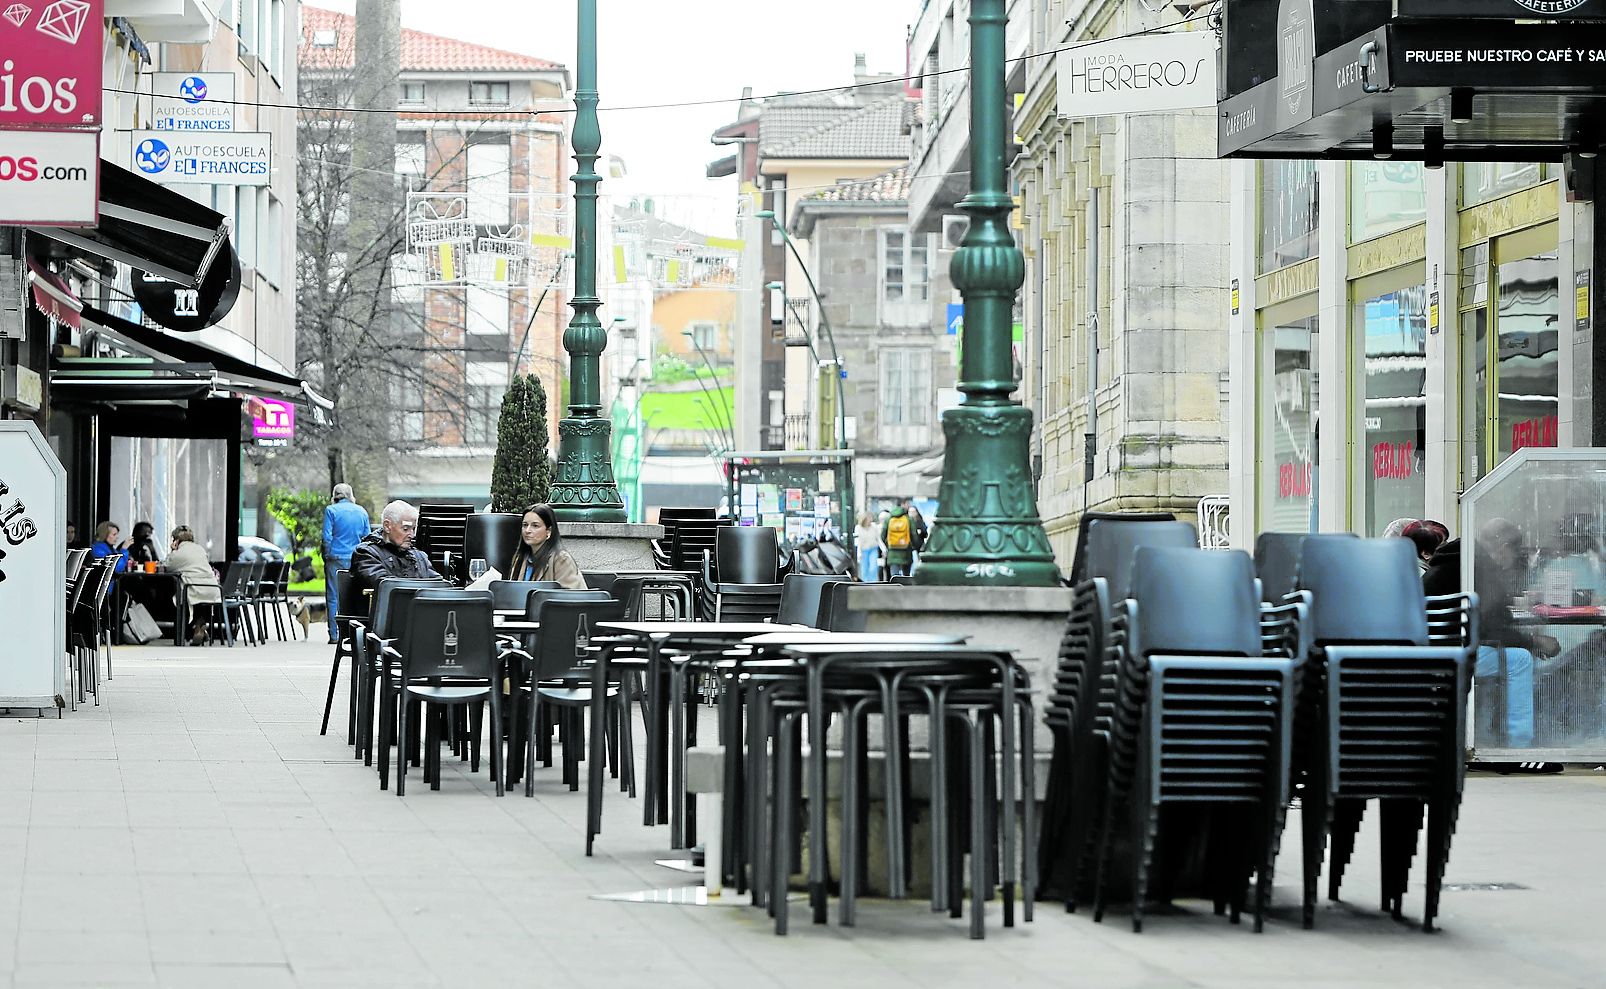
(797, 432)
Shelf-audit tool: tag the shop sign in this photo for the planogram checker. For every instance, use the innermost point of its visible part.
(1394, 461)
(185, 309)
(52, 66)
(1543, 431)
(1507, 9)
(1293, 480)
(1581, 315)
(1149, 73)
(178, 158)
(1351, 71)
(33, 496)
(50, 178)
(1522, 56)
(192, 101)
(1296, 50)
(273, 422)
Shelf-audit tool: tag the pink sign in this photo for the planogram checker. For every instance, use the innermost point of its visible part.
(272, 419)
(50, 54)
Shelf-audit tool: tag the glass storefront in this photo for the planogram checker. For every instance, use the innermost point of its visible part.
(1288, 429)
(1288, 213)
(1511, 310)
(1391, 327)
(1482, 181)
(170, 482)
(1385, 196)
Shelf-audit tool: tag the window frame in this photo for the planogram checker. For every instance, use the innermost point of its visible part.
(490, 87)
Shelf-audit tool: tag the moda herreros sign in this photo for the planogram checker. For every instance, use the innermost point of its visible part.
(33, 508)
(1150, 73)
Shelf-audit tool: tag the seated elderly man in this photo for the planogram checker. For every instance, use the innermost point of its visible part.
(389, 552)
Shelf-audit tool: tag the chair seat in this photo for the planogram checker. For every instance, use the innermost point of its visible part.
(576, 696)
(447, 694)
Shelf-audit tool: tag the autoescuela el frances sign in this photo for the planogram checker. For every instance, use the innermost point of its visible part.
(179, 158)
(1145, 74)
(192, 101)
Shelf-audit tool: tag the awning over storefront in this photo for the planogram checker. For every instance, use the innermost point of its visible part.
(128, 380)
(53, 296)
(148, 227)
(229, 373)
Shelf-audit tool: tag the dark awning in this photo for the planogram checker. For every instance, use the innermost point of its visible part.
(231, 373)
(127, 380)
(149, 227)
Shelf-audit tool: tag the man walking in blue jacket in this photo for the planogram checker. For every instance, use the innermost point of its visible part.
(345, 523)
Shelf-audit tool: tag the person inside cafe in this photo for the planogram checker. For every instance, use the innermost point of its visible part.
(389, 552)
(105, 545)
(345, 523)
(72, 537)
(1428, 536)
(541, 555)
(142, 545)
(189, 561)
(1571, 691)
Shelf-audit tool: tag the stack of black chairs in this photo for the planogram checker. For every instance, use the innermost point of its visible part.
(687, 532)
(741, 575)
(442, 531)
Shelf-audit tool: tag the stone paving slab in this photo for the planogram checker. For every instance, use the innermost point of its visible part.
(195, 830)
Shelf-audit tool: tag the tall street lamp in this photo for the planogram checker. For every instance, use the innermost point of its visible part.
(987, 530)
(825, 324)
(584, 489)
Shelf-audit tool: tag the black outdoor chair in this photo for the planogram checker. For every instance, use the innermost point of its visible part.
(1201, 732)
(801, 594)
(492, 537)
(446, 656)
(1383, 712)
(441, 534)
(369, 637)
(1082, 690)
(234, 610)
(834, 614)
(514, 595)
(557, 683)
(1277, 561)
(742, 575)
(687, 532)
(344, 649)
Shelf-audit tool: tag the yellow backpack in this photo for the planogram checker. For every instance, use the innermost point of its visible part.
(898, 532)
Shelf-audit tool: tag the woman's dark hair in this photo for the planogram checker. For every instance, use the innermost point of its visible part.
(544, 555)
(143, 531)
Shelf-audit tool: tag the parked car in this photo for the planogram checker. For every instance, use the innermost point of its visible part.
(254, 549)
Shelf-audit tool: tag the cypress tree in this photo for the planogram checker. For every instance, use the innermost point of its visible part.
(522, 473)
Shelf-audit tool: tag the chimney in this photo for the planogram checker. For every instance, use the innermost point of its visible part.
(860, 72)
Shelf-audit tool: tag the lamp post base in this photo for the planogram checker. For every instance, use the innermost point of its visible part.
(584, 488)
(987, 531)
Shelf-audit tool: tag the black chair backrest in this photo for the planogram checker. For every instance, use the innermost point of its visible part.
(1111, 545)
(600, 580)
(492, 537)
(1363, 591)
(691, 537)
(1195, 602)
(391, 599)
(566, 629)
(273, 576)
(1277, 563)
(800, 597)
(513, 595)
(237, 580)
(747, 554)
(448, 633)
(75, 562)
(1079, 558)
(352, 604)
(535, 600)
(835, 615)
(441, 530)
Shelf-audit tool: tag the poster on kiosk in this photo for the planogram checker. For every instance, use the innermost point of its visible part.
(33, 539)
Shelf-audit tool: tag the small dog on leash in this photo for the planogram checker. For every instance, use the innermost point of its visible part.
(303, 615)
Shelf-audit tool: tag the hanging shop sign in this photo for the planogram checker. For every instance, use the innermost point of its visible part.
(187, 310)
(1505, 9)
(179, 158)
(33, 508)
(273, 423)
(1525, 56)
(50, 178)
(192, 101)
(1151, 73)
(51, 63)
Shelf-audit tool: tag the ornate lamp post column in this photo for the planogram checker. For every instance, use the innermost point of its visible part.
(584, 489)
(987, 530)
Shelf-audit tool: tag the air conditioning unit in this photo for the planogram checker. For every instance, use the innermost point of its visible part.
(954, 227)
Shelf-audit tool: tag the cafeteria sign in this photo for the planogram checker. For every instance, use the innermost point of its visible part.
(192, 101)
(178, 158)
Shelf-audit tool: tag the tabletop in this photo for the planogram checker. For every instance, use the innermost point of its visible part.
(815, 635)
(695, 630)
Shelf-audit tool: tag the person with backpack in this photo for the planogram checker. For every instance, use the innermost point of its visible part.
(898, 542)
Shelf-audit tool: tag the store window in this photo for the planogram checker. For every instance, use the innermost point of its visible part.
(1482, 181)
(1392, 329)
(1511, 310)
(1288, 428)
(1385, 196)
(1288, 213)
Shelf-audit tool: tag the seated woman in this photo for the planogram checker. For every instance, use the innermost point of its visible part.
(541, 555)
(142, 547)
(105, 544)
(188, 560)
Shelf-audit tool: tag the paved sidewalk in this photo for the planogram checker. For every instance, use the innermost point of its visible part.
(195, 830)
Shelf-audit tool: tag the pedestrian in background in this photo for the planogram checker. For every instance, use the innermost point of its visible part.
(918, 530)
(345, 523)
(897, 539)
(867, 541)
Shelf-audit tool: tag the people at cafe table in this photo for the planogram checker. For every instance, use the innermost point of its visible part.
(142, 547)
(389, 552)
(188, 559)
(541, 555)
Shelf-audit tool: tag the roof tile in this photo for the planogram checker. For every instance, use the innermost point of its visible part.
(421, 52)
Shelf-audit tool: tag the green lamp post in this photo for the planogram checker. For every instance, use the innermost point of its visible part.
(584, 488)
(987, 530)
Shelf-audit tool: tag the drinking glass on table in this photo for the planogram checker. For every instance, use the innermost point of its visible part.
(477, 569)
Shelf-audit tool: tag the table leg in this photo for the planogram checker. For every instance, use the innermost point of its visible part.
(594, 771)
